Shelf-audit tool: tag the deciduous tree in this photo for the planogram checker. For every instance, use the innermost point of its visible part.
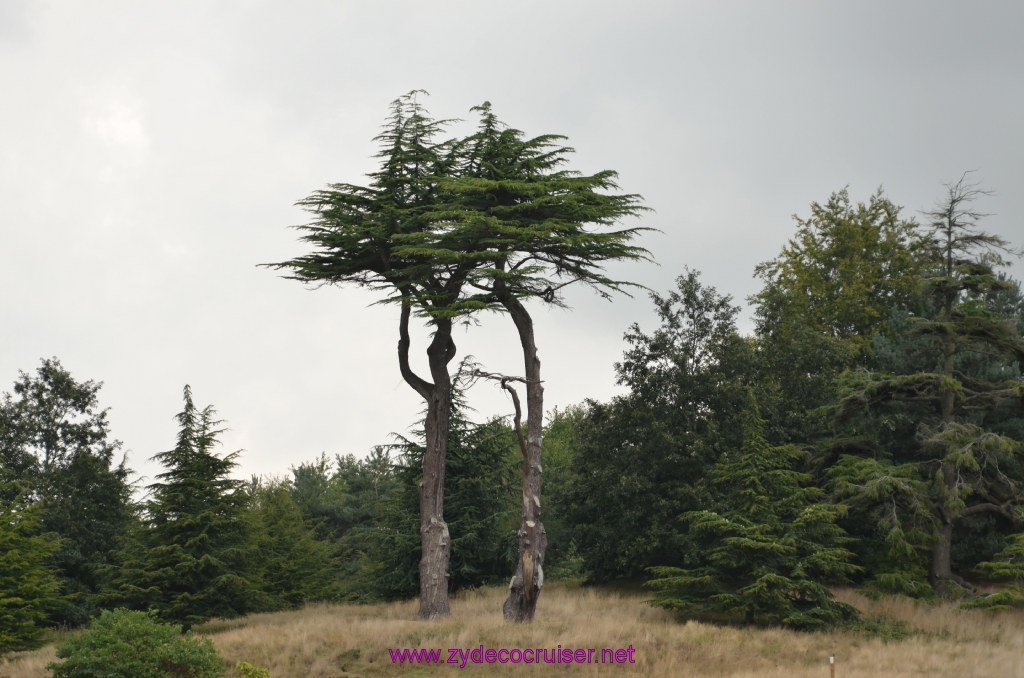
(844, 270)
(56, 439)
(644, 458)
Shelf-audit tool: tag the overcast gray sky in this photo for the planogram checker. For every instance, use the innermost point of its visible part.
(151, 154)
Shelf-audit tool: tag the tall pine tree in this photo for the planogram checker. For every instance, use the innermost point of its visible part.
(28, 587)
(190, 561)
(769, 551)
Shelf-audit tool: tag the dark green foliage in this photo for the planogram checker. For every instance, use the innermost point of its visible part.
(56, 440)
(371, 487)
(561, 440)
(768, 553)
(643, 459)
(528, 226)
(480, 496)
(796, 367)
(389, 547)
(289, 566)
(363, 235)
(191, 560)
(1006, 566)
(127, 644)
(320, 494)
(443, 221)
(28, 587)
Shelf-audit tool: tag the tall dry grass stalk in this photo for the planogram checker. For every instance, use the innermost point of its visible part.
(334, 641)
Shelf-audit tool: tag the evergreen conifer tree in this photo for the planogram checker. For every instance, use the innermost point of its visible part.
(28, 587)
(191, 560)
(290, 566)
(452, 228)
(770, 551)
(962, 367)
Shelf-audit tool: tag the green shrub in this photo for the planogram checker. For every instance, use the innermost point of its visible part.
(1000, 601)
(247, 670)
(127, 644)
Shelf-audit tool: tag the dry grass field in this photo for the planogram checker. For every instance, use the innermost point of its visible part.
(349, 641)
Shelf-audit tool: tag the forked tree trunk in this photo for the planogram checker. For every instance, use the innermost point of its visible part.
(524, 589)
(434, 537)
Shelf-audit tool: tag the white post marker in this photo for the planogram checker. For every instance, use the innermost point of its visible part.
(832, 665)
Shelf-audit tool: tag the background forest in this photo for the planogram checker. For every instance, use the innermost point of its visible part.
(869, 431)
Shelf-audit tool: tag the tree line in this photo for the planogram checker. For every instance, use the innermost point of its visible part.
(868, 431)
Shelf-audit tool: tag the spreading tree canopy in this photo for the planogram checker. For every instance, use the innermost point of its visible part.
(844, 270)
(451, 227)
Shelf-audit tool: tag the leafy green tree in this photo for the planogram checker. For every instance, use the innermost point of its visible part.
(955, 465)
(644, 458)
(192, 561)
(56, 440)
(767, 554)
(28, 587)
(833, 287)
(796, 367)
(372, 487)
(845, 269)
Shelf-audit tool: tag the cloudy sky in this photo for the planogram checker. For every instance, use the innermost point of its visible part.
(151, 154)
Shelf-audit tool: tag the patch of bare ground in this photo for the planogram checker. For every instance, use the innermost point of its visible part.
(324, 641)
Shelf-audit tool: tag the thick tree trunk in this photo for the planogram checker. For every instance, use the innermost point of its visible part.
(941, 572)
(434, 538)
(524, 589)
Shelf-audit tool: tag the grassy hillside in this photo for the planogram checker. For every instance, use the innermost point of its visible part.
(336, 641)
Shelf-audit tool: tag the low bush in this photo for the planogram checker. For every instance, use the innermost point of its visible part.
(128, 644)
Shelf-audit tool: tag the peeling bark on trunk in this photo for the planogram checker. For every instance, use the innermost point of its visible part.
(434, 537)
(525, 587)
